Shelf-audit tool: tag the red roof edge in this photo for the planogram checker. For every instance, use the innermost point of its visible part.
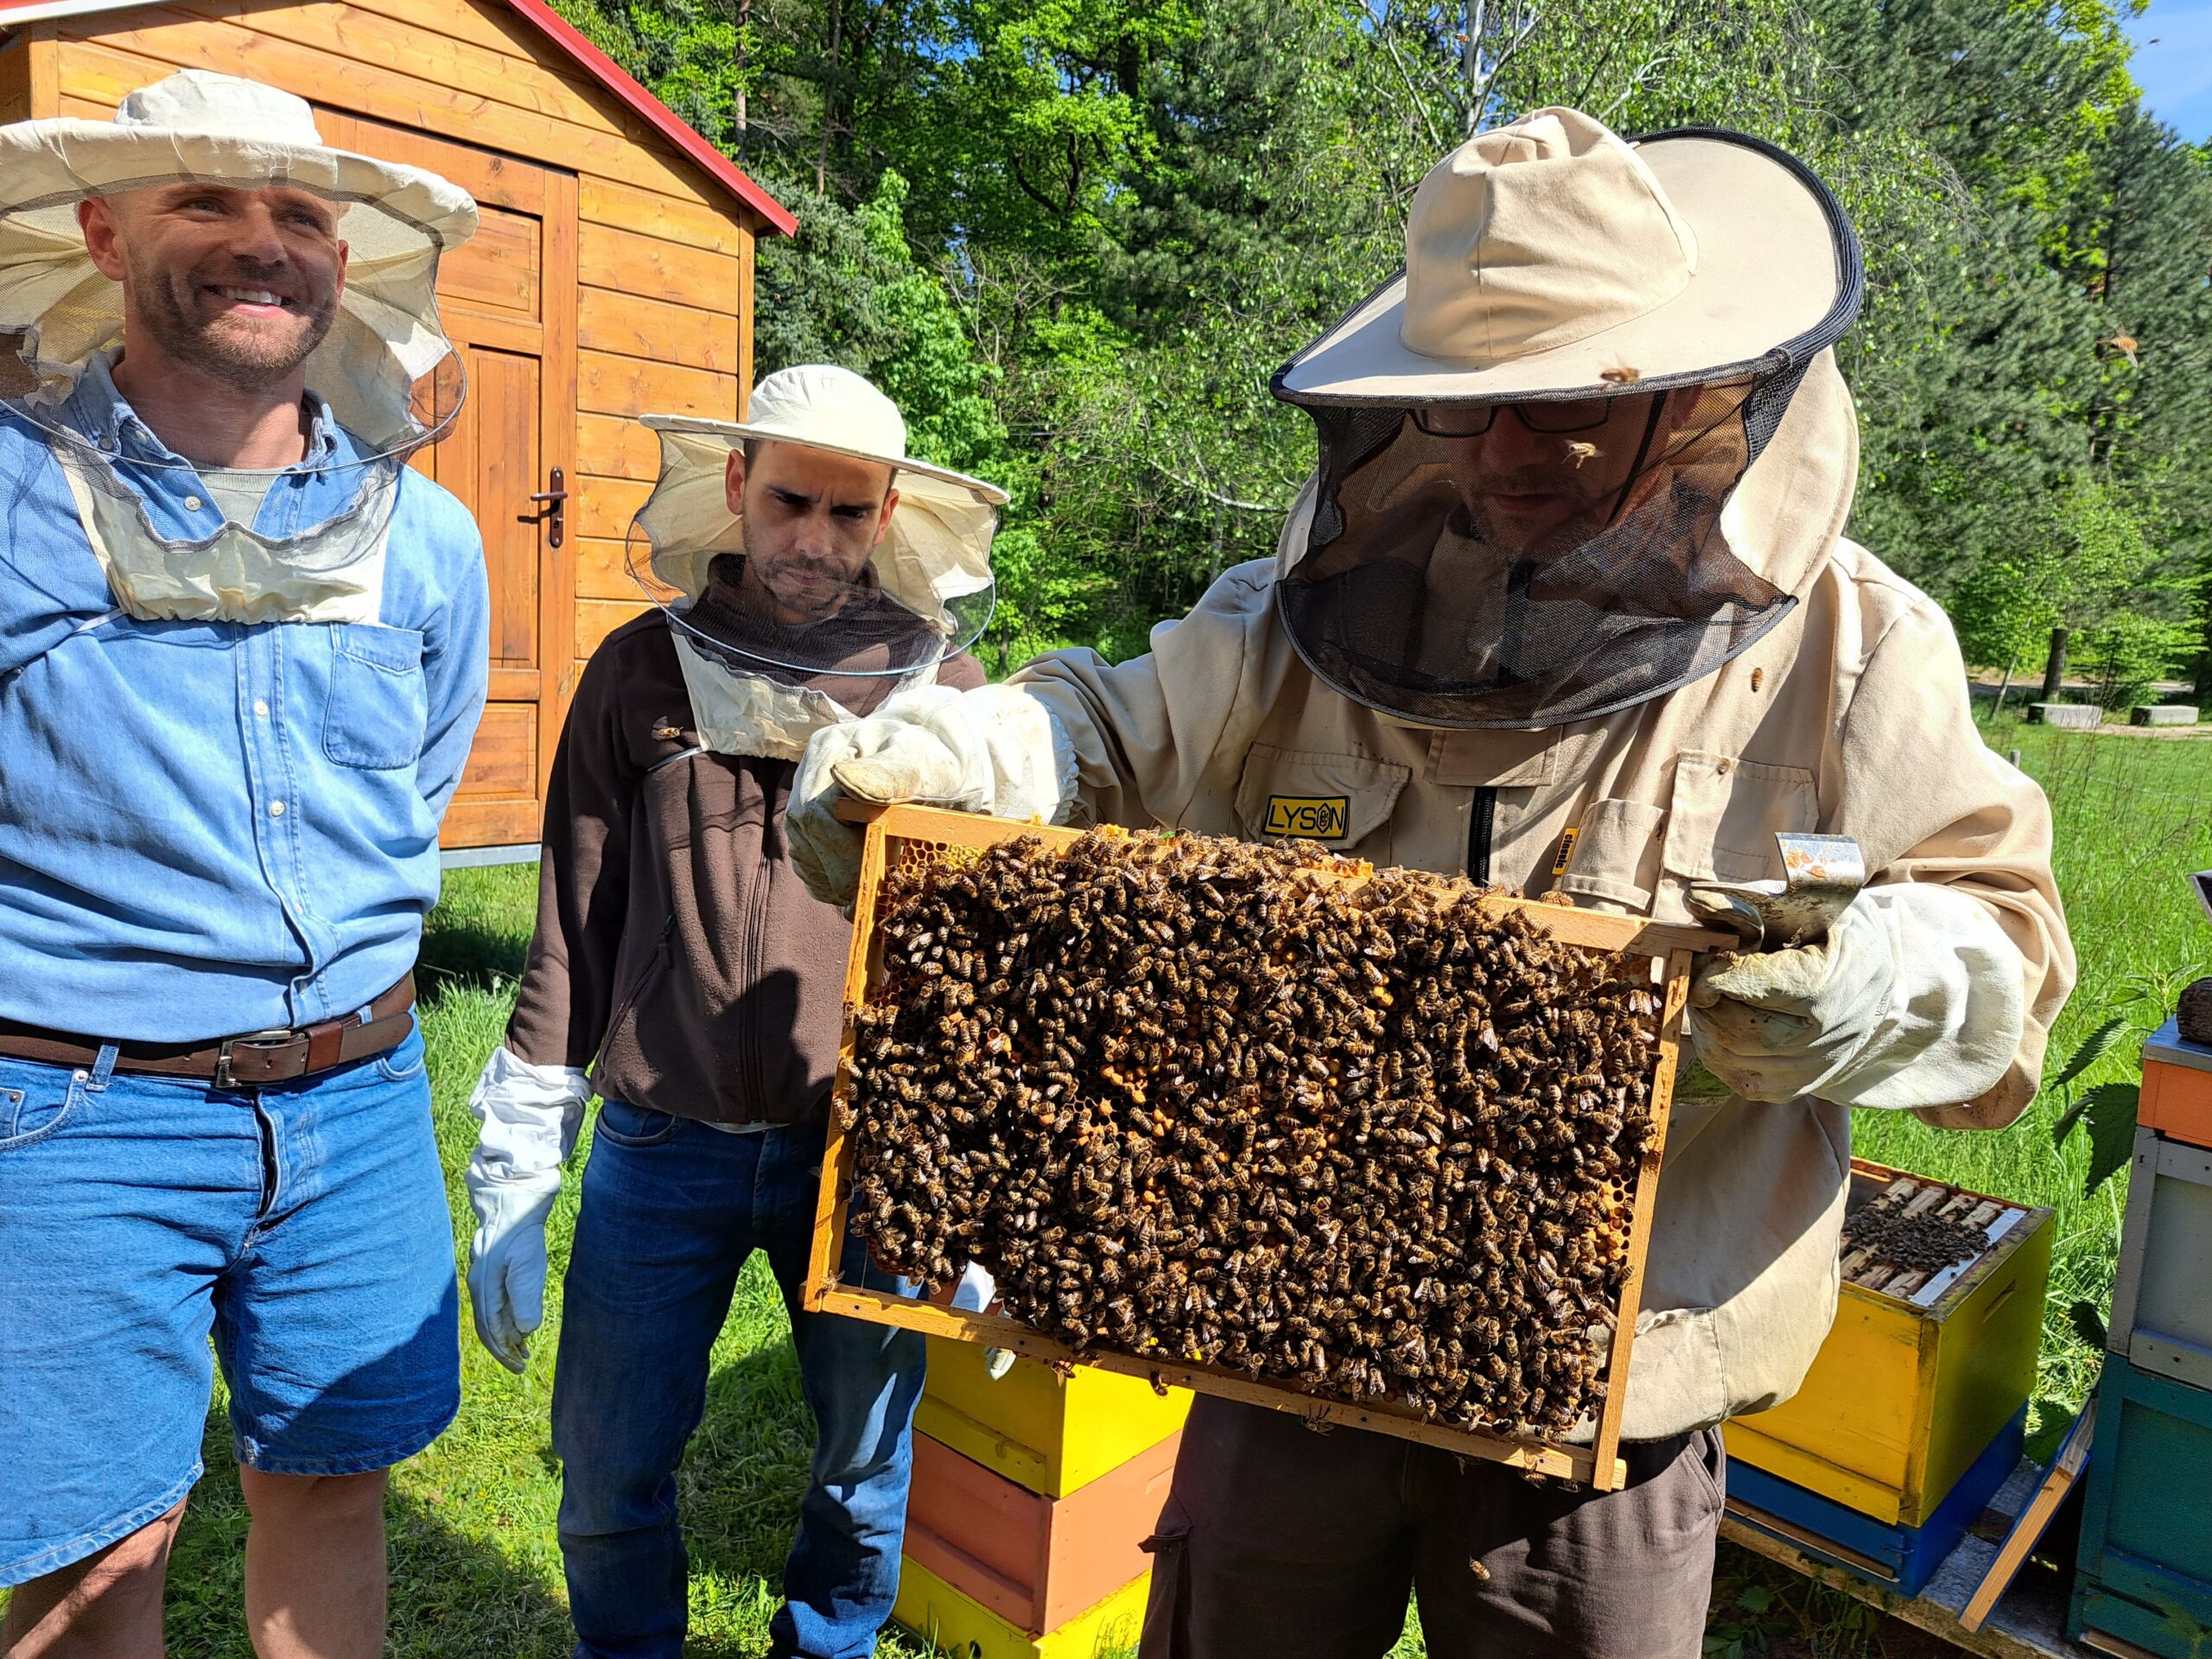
(664, 120)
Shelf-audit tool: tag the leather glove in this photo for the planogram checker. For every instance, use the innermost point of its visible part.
(529, 1115)
(1915, 999)
(995, 749)
(507, 1263)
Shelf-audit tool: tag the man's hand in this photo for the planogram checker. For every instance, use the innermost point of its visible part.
(991, 750)
(1913, 1001)
(916, 747)
(506, 1262)
(1786, 1023)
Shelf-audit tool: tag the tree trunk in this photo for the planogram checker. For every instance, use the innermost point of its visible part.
(829, 95)
(2004, 685)
(2054, 672)
(2204, 661)
(738, 113)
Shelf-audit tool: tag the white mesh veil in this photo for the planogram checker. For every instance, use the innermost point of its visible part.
(1546, 557)
(383, 381)
(926, 593)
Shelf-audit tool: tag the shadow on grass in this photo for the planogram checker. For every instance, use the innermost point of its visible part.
(479, 933)
(468, 954)
(452, 1597)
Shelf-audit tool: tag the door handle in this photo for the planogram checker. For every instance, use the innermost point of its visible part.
(553, 511)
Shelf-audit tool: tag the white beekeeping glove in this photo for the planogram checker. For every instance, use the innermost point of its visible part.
(1915, 999)
(995, 749)
(529, 1115)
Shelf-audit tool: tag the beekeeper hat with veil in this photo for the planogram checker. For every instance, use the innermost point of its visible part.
(778, 641)
(382, 382)
(1556, 449)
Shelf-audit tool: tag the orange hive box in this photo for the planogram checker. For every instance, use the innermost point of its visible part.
(2177, 1099)
(893, 832)
(1034, 1561)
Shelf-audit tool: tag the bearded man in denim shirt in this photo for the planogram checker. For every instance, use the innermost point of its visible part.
(243, 650)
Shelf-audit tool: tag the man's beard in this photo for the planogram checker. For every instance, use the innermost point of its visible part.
(243, 356)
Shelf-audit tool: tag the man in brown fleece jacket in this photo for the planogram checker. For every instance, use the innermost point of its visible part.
(810, 571)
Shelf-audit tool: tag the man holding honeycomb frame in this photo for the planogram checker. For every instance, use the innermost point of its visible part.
(1566, 607)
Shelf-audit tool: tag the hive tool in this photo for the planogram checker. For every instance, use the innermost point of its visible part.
(1821, 876)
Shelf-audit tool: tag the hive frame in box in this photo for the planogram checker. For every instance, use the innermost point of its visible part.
(1599, 1464)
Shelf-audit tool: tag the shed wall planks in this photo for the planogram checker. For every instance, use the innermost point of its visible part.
(608, 384)
(16, 80)
(634, 325)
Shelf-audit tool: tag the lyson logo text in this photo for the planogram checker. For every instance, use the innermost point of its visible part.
(1308, 818)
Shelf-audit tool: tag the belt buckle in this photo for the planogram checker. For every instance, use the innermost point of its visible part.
(268, 1037)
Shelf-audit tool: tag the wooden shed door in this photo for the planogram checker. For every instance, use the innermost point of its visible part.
(508, 300)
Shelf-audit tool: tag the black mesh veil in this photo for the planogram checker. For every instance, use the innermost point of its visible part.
(1530, 561)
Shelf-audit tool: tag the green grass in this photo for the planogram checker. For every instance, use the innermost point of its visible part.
(477, 1572)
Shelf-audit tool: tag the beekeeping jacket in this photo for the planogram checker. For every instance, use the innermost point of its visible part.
(1616, 709)
(1610, 704)
(1848, 716)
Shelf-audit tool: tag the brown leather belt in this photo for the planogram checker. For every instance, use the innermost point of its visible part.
(249, 1061)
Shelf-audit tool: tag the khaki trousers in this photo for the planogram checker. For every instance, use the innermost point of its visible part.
(1280, 1542)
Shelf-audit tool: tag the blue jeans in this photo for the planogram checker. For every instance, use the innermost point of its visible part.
(304, 1225)
(671, 1209)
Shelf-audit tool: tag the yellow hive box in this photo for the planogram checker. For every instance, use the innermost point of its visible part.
(1048, 1434)
(955, 1625)
(1902, 1398)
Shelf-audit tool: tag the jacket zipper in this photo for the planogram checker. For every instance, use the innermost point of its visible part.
(1481, 822)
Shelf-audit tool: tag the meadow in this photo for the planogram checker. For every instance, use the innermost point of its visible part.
(475, 1568)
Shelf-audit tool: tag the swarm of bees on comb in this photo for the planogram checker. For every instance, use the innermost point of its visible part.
(1196, 1100)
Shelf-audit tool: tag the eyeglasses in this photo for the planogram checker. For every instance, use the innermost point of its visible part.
(1552, 419)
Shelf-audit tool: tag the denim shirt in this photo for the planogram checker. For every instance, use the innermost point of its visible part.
(213, 828)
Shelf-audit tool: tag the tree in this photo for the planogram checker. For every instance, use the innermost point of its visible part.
(1078, 236)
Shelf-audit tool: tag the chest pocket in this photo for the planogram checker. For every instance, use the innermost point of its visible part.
(1336, 801)
(1725, 813)
(379, 702)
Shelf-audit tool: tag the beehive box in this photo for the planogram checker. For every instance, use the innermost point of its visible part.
(1901, 1557)
(1908, 1391)
(2162, 1301)
(1661, 956)
(1036, 1562)
(2144, 1570)
(957, 1627)
(1048, 1434)
(2176, 1097)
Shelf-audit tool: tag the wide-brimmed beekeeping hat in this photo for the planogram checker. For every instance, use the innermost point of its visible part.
(1551, 257)
(199, 126)
(934, 559)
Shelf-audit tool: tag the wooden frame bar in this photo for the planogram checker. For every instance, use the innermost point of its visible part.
(1599, 1463)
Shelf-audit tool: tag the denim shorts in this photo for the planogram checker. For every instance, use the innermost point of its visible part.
(304, 1226)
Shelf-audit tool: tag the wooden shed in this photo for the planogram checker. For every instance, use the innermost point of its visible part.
(612, 276)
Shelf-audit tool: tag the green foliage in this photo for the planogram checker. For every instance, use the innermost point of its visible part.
(2112, 1131)
(1079, 235)
(2109, 1108)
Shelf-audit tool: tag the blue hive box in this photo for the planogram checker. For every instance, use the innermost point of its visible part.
(1901, 1557)
(2145, 1567)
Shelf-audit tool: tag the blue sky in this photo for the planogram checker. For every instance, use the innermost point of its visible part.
(2173, 63)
